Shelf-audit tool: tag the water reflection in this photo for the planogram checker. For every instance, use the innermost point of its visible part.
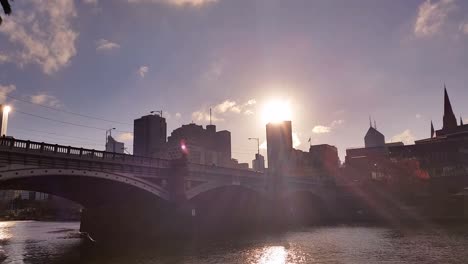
(273, 255)
(42, 242)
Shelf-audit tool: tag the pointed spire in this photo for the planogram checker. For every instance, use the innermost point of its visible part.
(450, 121)
(375, 124)
(461, 121)
(370, 121)
(432, 130)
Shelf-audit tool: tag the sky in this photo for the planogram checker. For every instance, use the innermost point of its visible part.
(333, 62)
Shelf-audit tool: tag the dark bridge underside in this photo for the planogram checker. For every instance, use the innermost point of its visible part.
(87, 191)
(115, 209)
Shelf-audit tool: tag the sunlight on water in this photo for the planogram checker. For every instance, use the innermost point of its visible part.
(273, 255)
(5, 232)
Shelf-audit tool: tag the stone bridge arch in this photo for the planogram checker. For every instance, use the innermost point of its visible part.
(86, 187)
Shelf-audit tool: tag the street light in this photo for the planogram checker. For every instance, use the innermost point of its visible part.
(108, 131)
(258, 144)
(4, 118)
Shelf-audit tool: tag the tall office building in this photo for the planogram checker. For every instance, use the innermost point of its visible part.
(279, 142)
(149, 135)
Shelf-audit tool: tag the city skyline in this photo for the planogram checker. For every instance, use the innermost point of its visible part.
(389, 61)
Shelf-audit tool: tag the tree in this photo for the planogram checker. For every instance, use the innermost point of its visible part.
(6, 8)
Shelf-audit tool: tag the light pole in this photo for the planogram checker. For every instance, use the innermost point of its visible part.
(4, 119)
(258, 144)
(108, 132)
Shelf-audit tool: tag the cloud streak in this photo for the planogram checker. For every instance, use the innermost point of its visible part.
(104, 45)
(226, 107)
(406, 137)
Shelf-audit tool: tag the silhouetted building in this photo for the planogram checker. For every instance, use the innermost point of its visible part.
(325, 157)
(113, 145)
(258, 164)
(203, 146)
(149, 135)
(279, 143)
(374, 138)
(444, 154)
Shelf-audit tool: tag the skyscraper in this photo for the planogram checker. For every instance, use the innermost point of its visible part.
(279, 143)
(149, 135)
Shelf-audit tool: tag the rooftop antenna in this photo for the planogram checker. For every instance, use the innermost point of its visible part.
(210, 116)
(370, 121)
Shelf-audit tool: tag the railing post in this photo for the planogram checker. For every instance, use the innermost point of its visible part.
(42, 147)
(12, 143)
(92, 153)
(27, 144)
(55, 148)
(81, 152)
(68, 150)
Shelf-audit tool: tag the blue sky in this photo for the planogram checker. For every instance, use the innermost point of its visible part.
(336, 62)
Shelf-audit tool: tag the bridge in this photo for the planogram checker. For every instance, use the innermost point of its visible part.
(131, 195)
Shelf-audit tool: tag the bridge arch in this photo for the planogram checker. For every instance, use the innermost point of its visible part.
(82, 186)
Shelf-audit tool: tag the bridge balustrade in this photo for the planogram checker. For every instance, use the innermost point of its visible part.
(41, 147)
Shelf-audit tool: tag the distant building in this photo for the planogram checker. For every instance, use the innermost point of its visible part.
(444, 154)
(325, 157)
(149, 135)
(203, 146)
(258, 164)
(279, 143)
(374, 138)
(113, 145)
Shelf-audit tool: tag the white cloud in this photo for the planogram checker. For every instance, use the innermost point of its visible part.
(142, 71)
(125, 137)
(178, 115)
(418, 116)
(321, 129)
(44, 99)
(464, 27)
(226, 107)
(263, 145)
(42, 34)
(406, 137)
(5, 90)
(296, 140)
(176, 2)
(104, 44)
(432, 16)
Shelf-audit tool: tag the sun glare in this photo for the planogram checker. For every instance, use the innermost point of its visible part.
(276, 111)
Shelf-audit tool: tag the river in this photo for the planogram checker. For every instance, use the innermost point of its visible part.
(59, 242)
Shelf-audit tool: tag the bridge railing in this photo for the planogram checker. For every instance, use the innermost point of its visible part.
(41, 147)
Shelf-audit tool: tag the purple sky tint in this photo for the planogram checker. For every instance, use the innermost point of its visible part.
(336, 62)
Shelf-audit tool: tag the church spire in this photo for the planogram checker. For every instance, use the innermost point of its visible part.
(450, 121)
(432, 130)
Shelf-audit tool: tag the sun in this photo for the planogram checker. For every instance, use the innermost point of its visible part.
(276, 111)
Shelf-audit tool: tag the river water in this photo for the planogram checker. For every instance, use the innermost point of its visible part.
(58, 242)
